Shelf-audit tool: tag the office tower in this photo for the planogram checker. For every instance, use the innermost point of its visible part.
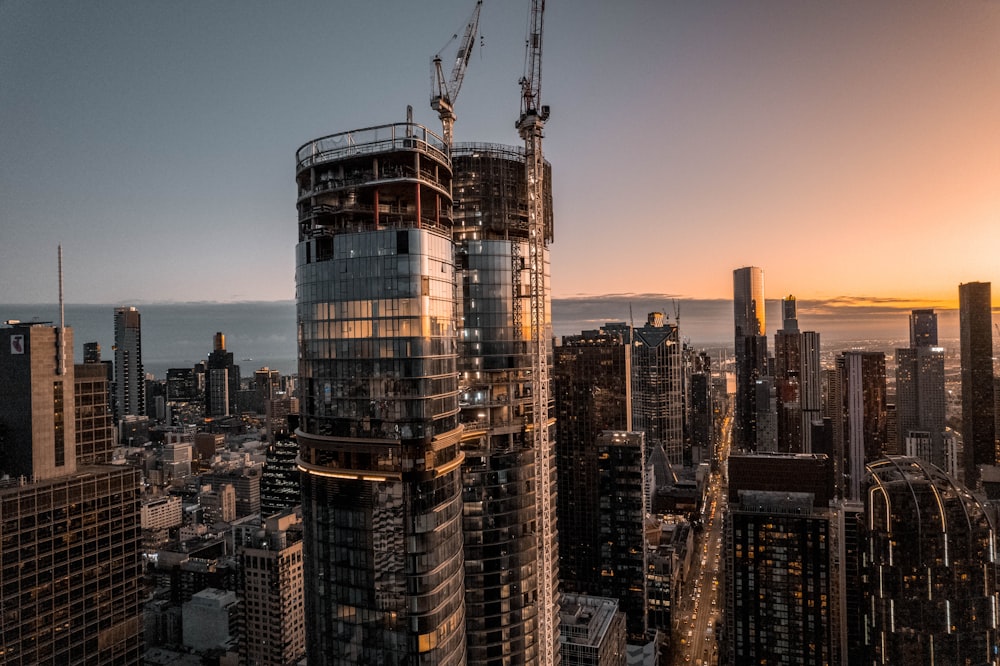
(622, 487)
(495, 356)
(222, 380)
(863, 377)
(379, 434)
(751, 351)
(788, 343)
(920, 394)
(657, 386)
(930, 550)
(95, 432)
(592, 631)
(271, 585)
(592, 388)
(71, 567)
(74, 598)
(766, 416)
(975, 306)
(182, 386)
(130, 378)
(267, 386)
(37, 424)
(778, 579)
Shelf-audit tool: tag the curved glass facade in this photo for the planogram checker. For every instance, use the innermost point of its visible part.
(498, 476)
(931, 568)
(379, 434)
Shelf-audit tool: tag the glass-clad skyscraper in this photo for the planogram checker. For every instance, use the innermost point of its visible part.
(495, 364)
(930, 562)
(751, 351)
(379, 432)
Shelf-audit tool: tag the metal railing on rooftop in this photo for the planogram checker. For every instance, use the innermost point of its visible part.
(370, 140)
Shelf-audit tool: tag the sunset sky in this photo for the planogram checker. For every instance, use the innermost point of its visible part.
(849, 148)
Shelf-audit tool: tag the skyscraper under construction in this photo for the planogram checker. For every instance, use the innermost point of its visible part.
(495, 362)
(380, 435)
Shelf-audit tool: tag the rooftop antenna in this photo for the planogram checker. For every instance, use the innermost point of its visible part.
(61, 331)
(631, 319)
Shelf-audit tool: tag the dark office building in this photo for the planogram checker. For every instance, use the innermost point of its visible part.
(69, 535)
(920, 392)
(72, 569)
(975, 307)
(930, 565)
(592, 394)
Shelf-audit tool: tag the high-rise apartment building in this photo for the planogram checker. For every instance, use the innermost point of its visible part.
(779, 580)
(931, 567)
(271, 588)
(975, 306)
(920, 394)
(130, 377)
(495, 355)
(751, 351)
(658, 387)
(380, 432)
(592, 388)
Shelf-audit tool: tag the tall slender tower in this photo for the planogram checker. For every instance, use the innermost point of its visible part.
(975, 307)
(788, 379)
(751, 350)
(920, 394)
(130, 378)
(495, 362)
(863, 377)
(379, 438)
(657, 386)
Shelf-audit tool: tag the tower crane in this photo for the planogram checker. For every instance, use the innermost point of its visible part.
(530, 125)
(445, 91)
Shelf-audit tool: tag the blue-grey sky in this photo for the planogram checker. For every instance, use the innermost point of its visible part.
(849, 148)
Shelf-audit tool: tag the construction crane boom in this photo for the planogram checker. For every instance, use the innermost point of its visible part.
(530, 125)
(444, 91)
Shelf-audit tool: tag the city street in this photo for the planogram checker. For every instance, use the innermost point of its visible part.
(701, 604)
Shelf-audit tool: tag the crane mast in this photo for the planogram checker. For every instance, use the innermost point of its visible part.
(445, 91)
(530, 126)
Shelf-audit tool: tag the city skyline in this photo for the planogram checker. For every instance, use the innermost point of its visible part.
(161, 138)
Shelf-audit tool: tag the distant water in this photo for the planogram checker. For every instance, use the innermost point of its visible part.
(178, 335)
